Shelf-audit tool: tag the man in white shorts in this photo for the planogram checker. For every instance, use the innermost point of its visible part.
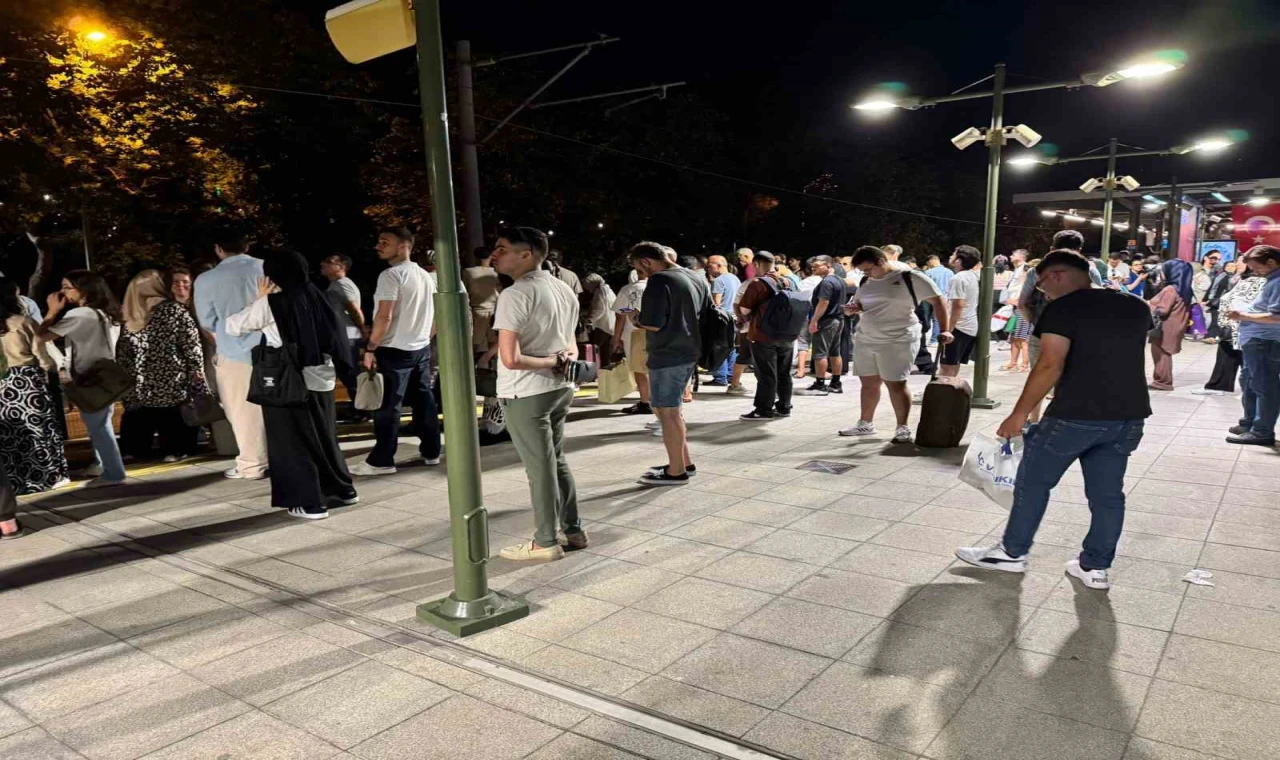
(888, 335)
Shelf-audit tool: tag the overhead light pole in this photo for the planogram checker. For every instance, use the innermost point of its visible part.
(995, 137)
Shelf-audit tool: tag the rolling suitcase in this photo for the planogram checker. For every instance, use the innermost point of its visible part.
(944, 411)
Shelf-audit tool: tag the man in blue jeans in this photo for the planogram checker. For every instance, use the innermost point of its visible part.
(1260, 347)
(400, 347)
(1089, 339)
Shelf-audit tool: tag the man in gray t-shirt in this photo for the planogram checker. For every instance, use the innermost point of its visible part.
(344, 297)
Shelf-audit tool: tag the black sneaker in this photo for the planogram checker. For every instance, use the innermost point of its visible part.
(334, 502)
(819, 388)
(835, 388)
(755, 416)
(691, 470)
(662, 478)
(573, 541)
(783, 413)
(1251, 439)
(717, 383)
(1238, 430)
(639, 407)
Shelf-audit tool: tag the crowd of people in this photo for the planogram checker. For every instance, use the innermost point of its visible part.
(257, 339)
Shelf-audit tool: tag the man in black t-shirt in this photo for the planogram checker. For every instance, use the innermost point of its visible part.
(826, 320)
(1089, 339)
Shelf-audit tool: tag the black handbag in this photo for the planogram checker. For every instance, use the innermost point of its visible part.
(277, 378)
(201, 410)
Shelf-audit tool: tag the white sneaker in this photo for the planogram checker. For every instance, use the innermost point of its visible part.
(992, 558)
(1091, 578)
(101, 482)
(527, 551)
(364, 468)
(433, 462)
(862, 428)
(654, 424)
(234, 474)
(902, 434)
(172, 458)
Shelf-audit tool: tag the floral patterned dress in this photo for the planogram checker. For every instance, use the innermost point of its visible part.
(165, 357)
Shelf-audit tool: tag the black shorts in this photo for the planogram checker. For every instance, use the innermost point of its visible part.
(744, 351)
(960, 350)
(825, 342)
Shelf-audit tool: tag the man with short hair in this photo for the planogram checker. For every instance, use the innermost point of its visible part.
(1259, 336)
(669, 313)
(771, 354)
(1118, 269)
(344, 298)
(536, 321)
(220, 293)
(400, 348)
(746, 269)
(963, 307)
(893, 255)
(555, 264)
(724, 289)
(826, 321)
(1090, 339)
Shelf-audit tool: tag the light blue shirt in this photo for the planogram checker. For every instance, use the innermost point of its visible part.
(941, 277)
(32, 309)
(223, 291)
(1268, 302)
(727, 285)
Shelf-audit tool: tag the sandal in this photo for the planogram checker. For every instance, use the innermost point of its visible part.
(19, 533)
(1009, 367)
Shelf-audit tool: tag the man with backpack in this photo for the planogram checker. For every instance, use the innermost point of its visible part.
(775, 312)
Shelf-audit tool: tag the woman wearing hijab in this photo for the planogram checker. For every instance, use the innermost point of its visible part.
(308, 471)
(160, 346)
(1172, 306)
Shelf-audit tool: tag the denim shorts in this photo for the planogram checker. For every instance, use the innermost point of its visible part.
(666, 385)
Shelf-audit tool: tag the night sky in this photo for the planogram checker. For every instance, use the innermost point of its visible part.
(773, 66)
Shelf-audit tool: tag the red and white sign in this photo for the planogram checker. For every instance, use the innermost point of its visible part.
(1256, 225)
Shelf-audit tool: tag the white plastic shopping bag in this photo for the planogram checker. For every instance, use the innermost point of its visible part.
(991, 466)
(1000, 319)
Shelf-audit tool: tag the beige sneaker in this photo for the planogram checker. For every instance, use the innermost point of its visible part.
(526, 551)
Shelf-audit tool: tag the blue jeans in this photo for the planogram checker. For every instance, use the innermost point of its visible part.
(1260, 383)
(103, 438)
(724, 372)
(1103, 448)
(401, 372)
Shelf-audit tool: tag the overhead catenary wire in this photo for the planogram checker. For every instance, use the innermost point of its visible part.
(620, 152)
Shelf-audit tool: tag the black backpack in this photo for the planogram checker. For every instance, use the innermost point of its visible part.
(719, 335)
(786, 313)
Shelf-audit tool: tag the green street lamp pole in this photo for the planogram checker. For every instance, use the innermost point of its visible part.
(472, 607)
(1109, 199)
(986, 287)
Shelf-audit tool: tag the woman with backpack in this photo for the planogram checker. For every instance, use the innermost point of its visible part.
(888, 335)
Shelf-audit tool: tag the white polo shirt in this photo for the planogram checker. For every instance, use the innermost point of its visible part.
(543, 311)
(413, 291)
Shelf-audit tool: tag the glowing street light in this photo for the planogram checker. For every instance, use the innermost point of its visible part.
(97, 35)
(1147, 70)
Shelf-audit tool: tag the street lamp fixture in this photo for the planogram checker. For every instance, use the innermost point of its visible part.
(97, 35)
(1258, 200)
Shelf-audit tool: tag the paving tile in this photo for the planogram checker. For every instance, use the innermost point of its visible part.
(358, 703)
(1135, 606)
(252, 735)
(1260, 517)
(1184, 490)
(800, 496)
(640, 639)
(537, 706)
(1249, 498)
(870, 506)
(459, 728)
(727, 484)
(133, 724)
(967, 497)
(716, 605)
(1193, 528)
(72, 683)
(948, 518)
(1256, 481)
(1159, 548)
(42, 643)
(852, 591)
(134, 616)
(555, 614)
(815, 628)
(980, 607)
(898, 649)
(733, 534)
(1149, 574)
(1243, 626)
(810, 741)
(1228, 668)
(1252, 536)
(428, 667)
(763, 513)
(988, 728)
(893, 563)
(1210, 721)
(12, 721)
(84, 592)
(281, 666)
(1242, 590)
(677, 555)
(1145, 749)
(1129, 648)
(901, 712)
(1068, 688)
(35, 744)
(1177, 474)
(572, 747)
(924, 539)
(757, 571)
(852, 527)
(732, 716)
(802, 547)
(643, 743)
(498, 642)
(617, 582)
(747, 669)
(1241, 560)
(584, 670)
(902, 491)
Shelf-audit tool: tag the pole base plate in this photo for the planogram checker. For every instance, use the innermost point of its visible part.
(463, 619)
(984, 403)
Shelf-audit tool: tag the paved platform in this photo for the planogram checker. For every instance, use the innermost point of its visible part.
(780, 611)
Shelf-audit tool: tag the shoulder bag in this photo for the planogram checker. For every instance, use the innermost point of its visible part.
(277, 378)
(103, 383)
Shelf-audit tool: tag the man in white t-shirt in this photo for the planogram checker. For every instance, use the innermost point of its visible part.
(963, 294)
(536, 320)
(400, 348)
(888, 335)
